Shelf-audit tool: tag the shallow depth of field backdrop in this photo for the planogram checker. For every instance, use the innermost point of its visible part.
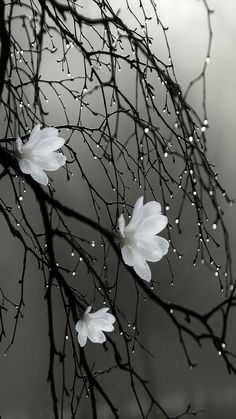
(24, 391)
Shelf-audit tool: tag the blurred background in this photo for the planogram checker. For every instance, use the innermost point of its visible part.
(24, 393)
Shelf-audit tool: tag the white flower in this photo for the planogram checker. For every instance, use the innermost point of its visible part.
(93, 324)
(138, 239)
(39, 154)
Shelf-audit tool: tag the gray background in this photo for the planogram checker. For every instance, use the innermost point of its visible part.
(23, 390)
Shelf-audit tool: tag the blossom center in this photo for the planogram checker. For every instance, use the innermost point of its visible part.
(128, 238)
(24, 154)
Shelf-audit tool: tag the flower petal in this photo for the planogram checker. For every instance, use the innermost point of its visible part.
(95, 335)
(121, 224)
(18, 144)
(150, 250)
(82, 332)
(38, 174)
(151, 208)
(51, 161)
(48, 144)
(141, 267)
(163, 244)
(30, 167)
(137, 215)
(49, 132)
(34, 138)
(40, 177)
(97, 314)
(103, 324)
(127, 254)
(151, 225)
(25, 166)
(102, 315)
(88, 309)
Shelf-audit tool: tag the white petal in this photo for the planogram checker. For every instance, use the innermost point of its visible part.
(34, 138)
(141, 267)
(101, 313)
(95, 335)
(45, 145)
(49, 132)
(127, 254)
(121, 224)
(104, 321)
(30, 167)
(102, 324)
(40, 177)
(137, 214)
(25, 166)
(163, 244)
(18, 143)
(88, 309)
(51, 161)
(150, 250)
(152, 225)
(38, 174)
(151, 208)
(82, 332)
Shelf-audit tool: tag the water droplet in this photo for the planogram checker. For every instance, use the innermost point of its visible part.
(214, 226)
(208, 59)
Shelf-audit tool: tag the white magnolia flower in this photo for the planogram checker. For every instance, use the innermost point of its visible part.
(138, 239)
(39, 153)
(93, 324)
